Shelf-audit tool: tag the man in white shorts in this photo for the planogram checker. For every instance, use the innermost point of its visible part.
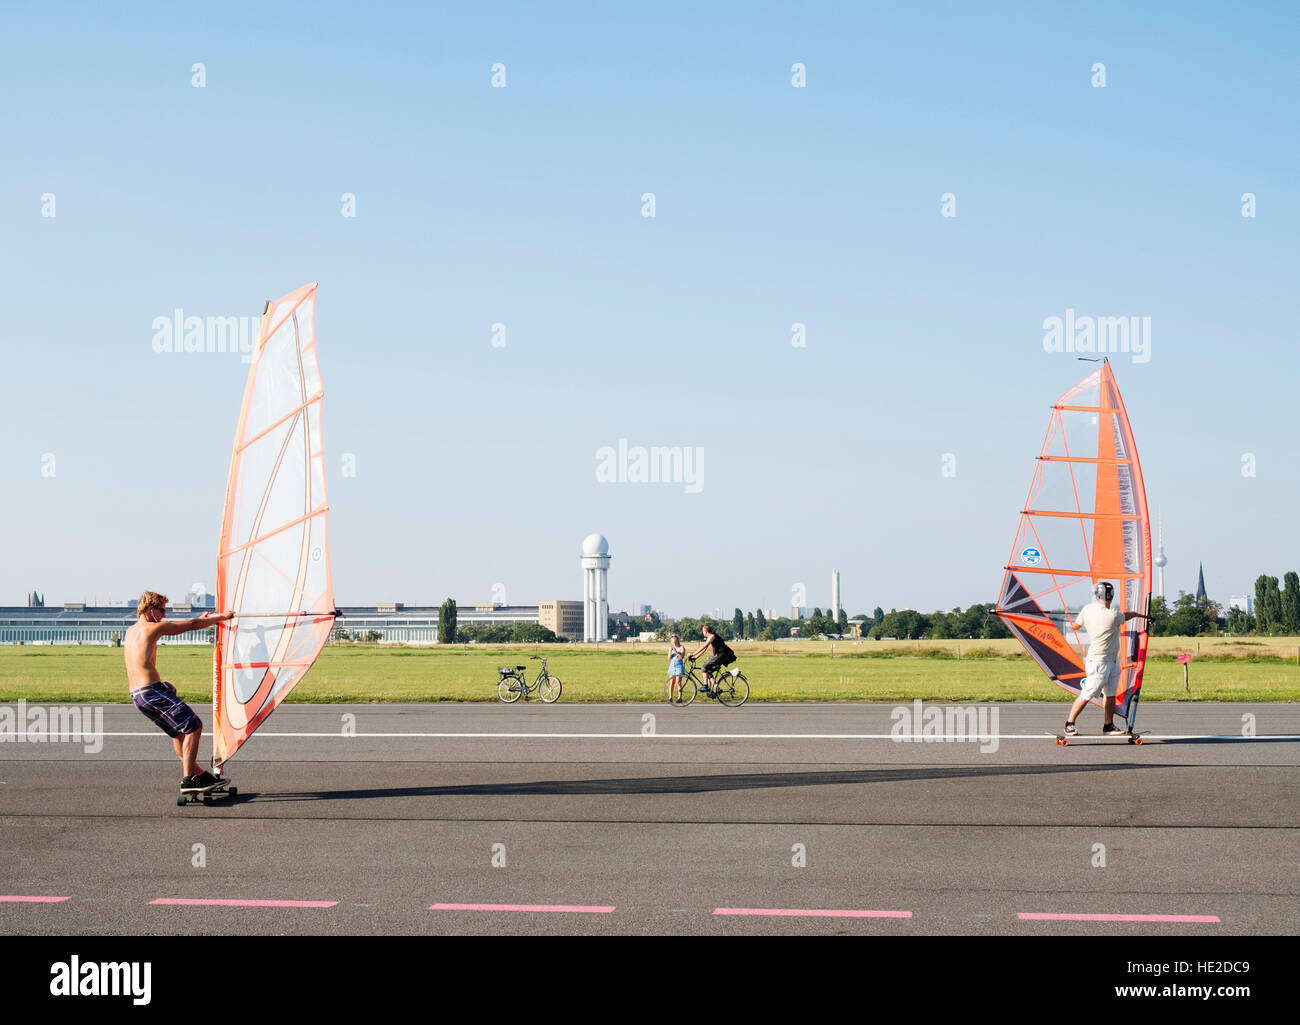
(1102, 661)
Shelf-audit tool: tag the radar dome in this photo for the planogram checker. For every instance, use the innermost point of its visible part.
(595, 545)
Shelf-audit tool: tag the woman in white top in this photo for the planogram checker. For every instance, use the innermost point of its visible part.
(676, 670)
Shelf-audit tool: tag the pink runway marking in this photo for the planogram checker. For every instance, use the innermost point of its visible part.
(590, 909)
(32, 900)
(246, 903)
(812, 913)
(1040, 917)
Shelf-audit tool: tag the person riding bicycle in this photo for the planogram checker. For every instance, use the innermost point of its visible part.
(722, 656)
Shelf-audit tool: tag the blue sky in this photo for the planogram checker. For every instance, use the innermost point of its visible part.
(475, 464)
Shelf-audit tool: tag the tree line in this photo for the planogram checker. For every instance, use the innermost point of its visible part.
(977, 621)
(490, 633)
(1277, 612)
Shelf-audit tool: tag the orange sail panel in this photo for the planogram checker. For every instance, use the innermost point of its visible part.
(1085, 521)
(273, 568)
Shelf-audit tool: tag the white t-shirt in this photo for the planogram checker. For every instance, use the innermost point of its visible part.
(1104, 627)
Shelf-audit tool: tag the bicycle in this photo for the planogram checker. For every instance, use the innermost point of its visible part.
(733, 687)
(512, 683)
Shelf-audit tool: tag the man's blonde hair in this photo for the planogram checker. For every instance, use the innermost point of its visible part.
(151, 600)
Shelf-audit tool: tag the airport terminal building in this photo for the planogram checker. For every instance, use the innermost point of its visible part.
(396, 623)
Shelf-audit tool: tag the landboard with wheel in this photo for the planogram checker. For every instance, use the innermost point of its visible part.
(205, 796)
(1063, 739)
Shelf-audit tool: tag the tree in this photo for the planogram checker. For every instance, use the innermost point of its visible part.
(447, 622)
(906, 624)
(1193, 617)
(993, 627)
(842, 627)
(878, 616)
(531, 633)
(751, 628)
(1239, 621)
(1291, 604)
(485, 633)
(760, 620)
(1158, 624)
(738, 624)
(1268, 604)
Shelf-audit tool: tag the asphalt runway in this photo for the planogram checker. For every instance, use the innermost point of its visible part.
(628, 819)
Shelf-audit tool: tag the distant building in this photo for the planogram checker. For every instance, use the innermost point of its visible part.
(1200, 582)
(563, 618)
(394, 622)
(835, 594)
(35, 601)
(800, 612)
(1245, 602)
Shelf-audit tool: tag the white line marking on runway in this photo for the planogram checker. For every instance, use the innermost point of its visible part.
(905, 737)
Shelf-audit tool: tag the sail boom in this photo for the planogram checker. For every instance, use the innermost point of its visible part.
(1049, 571)
(1079, 515)
(1081, 459)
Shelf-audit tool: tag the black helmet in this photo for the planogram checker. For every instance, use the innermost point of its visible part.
(1104, 590)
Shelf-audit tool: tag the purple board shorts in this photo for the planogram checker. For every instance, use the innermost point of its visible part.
(159, 702)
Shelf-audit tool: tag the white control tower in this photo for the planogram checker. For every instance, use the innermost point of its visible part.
(595, 589)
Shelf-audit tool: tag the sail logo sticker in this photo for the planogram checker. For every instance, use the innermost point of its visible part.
(316, 554)
(1031, 556)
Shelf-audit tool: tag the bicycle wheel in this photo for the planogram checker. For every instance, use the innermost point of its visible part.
(551, 688)
(508, 689)
(688, 690)
(735, 690)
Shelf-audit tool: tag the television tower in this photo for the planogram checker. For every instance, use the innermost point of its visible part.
(1160, 559)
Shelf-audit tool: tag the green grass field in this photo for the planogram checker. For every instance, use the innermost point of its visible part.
(872, 671)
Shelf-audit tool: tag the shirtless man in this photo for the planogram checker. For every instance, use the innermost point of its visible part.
(157, 699)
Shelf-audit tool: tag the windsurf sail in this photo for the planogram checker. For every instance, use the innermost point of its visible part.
(1085, 521)
(273, 568)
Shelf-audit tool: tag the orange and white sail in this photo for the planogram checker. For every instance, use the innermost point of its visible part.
(273, 567)
(1085, 521)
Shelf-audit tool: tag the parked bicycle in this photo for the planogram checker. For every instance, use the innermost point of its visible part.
(512, 684)
(730, 685)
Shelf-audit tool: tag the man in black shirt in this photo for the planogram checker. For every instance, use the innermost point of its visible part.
(722, 656)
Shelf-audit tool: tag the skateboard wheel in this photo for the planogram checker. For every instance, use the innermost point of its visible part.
(1137, 740)
(180, 802)
(207, 800)
(1060, 742)
(234, 791)
(1064, 742)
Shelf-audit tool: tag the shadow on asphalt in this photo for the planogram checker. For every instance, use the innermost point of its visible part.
(1223, 740)
(700, 784)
